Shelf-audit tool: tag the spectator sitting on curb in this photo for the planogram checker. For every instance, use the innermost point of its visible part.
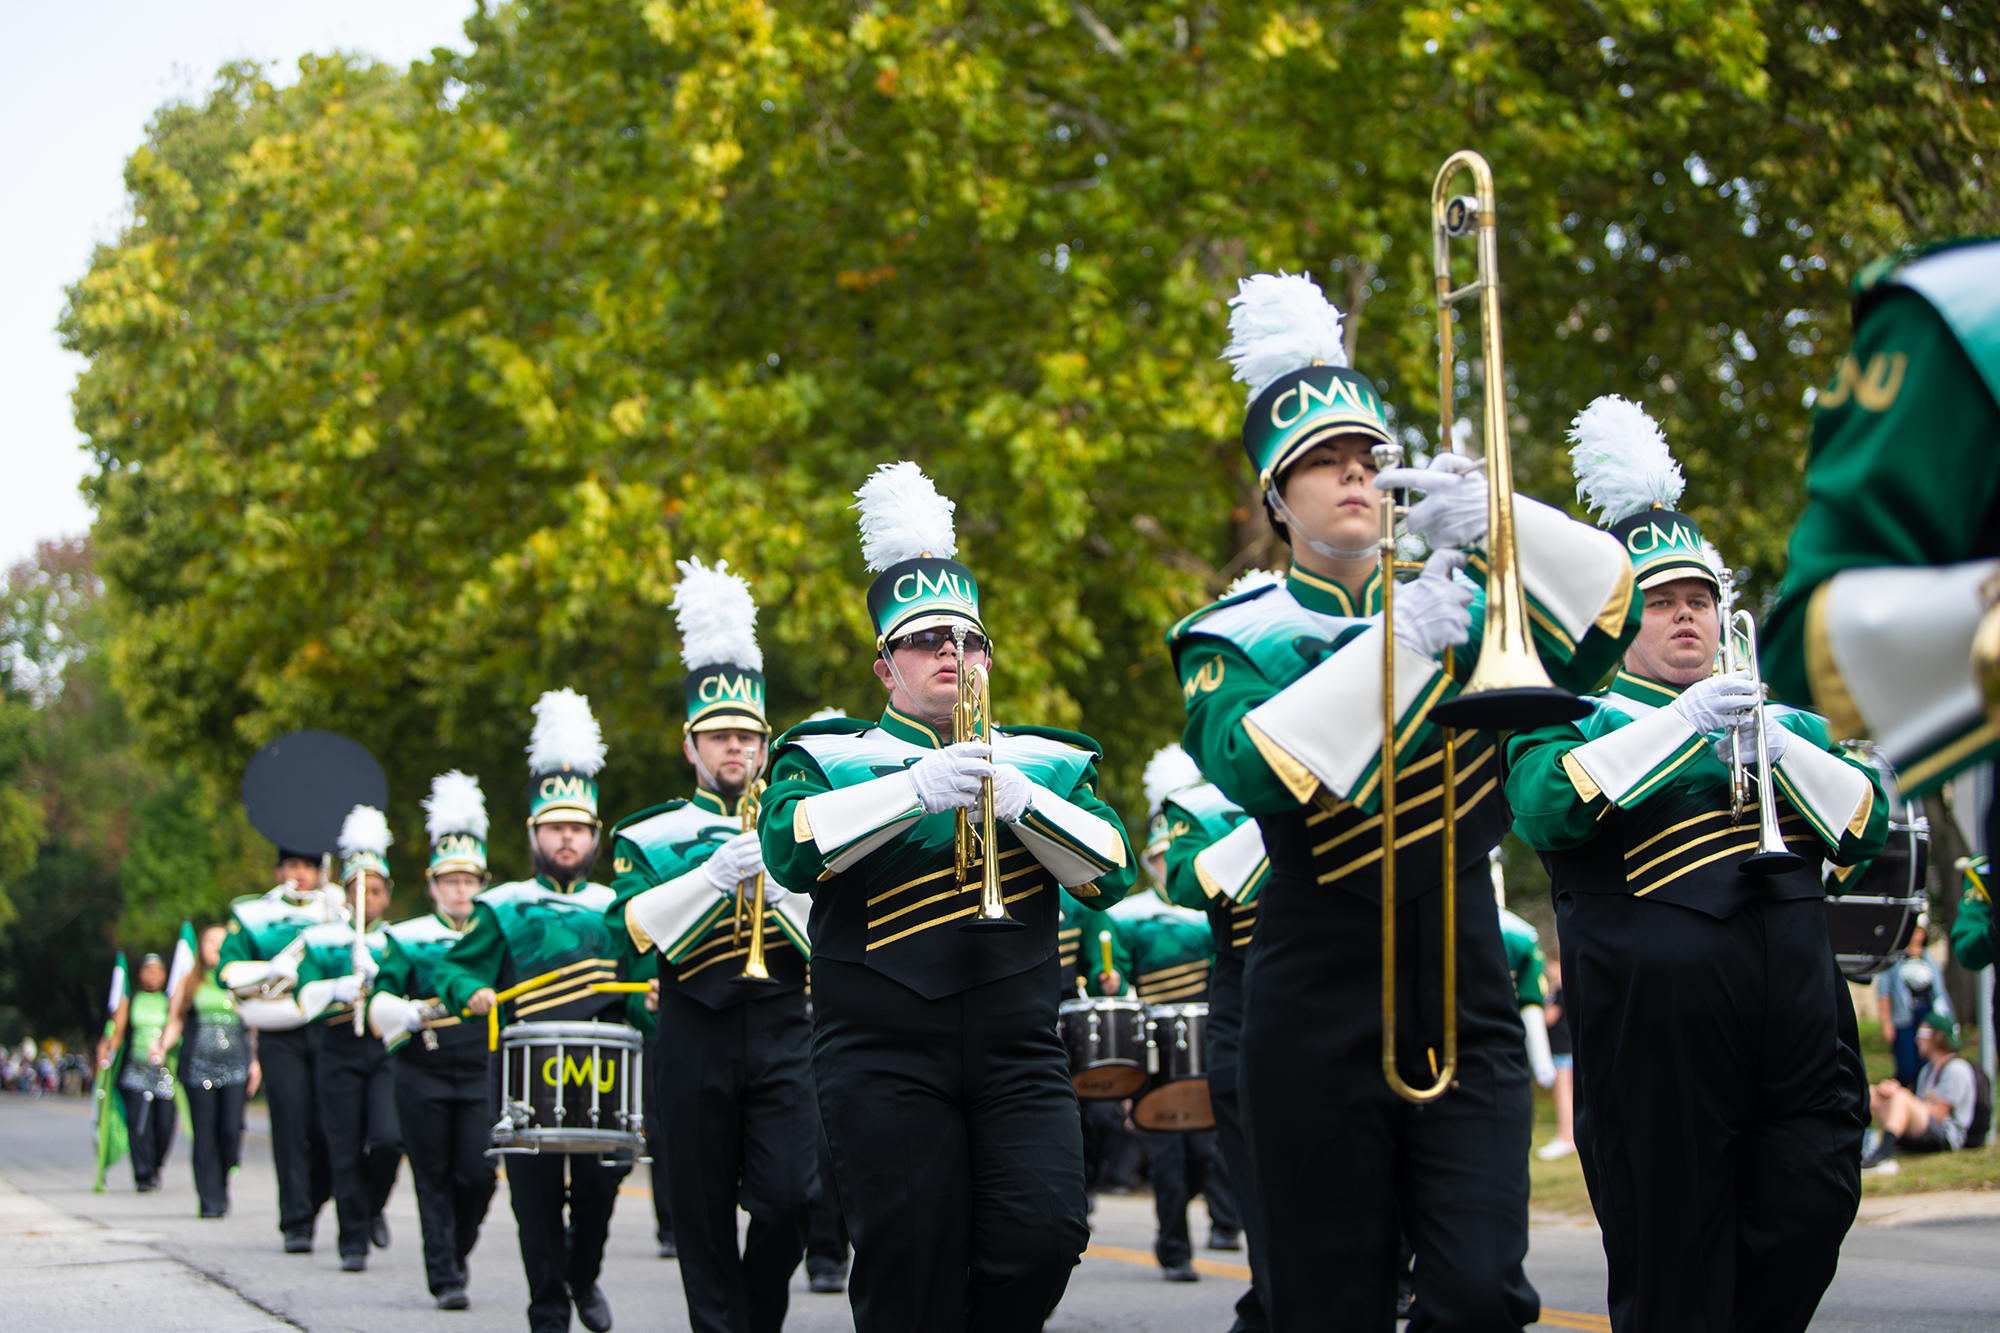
(1937, 1115)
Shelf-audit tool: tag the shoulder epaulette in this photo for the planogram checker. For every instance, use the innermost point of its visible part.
(647, 813)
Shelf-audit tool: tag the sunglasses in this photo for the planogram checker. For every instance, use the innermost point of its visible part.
(931, 640)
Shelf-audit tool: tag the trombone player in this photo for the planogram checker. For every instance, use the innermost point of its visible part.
(730, 1056)
(943, 1086)
(1718, 1093)
(1284, 693)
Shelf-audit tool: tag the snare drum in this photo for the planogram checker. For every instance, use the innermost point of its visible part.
(1871, 923)
(1107, 1046)
(1176, 1096)
(570, 1088)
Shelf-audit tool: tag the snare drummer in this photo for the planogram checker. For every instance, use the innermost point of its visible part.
(732, 1073)
(553, 925)
(1717, 1090)
(942, 1084)
(440, 1059)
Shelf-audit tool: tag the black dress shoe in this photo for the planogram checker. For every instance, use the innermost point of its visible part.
(378, 1231)
(214, 1212)
(354, 1263)
(668, 1249)
(299, 1242)
(1223, 1238)
(593, 1310)
(826, 1284)
(1181, 1273)
(453, 1298)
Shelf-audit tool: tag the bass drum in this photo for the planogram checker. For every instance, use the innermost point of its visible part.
(1873, 913)
(1106, 1039)
(1176, 1097)
(570, 1088)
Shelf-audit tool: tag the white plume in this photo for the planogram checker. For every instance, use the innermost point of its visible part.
(825, 714)
(717, 617)
(1253, 578)
(1621, 460)
(364, 830)
(455, 805)
(903, 516)
(1279, 323)
(566, 735)
(1168, 771)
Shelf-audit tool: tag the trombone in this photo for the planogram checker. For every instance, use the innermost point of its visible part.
(754, 970)
(1772, 857)
(972, 720)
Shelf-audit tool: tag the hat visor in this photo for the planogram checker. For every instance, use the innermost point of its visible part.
(564, 813)
(1667, 571)
(457, 865)
(729, 720)
(930, 620)
(1326, 434)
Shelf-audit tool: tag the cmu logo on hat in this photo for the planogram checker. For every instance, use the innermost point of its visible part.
(720, 688)
(1649, 537)
(1337, 391)
(920, 583)
(556, 786)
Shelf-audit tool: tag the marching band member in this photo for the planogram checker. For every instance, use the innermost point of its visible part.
(440, 1064)
(733, 1078)
(1283, 692)
(1214, 862)
(355, 1084)
(1525, 961)
(259, 965)
(942, 1082)
(1891, 569)
(552, 925)
(1717, 1102)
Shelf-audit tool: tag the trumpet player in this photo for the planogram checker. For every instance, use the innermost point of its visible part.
(439, 1058)
(1718, 1094)
(259, 963)
(943, 1085)
(731, 1052)
(1283, 688)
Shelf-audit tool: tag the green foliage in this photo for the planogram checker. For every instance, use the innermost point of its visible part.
(408, 388)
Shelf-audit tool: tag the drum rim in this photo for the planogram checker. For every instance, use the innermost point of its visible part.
(560, 1032)
(1081, 1003)
(1181, 1009)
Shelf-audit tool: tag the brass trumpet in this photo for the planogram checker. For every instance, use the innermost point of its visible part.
(754, 971)
(1739, 653)
(972, 720)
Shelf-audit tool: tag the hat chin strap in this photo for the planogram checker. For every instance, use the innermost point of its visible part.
(889, 656)
(708, 778)
(1327, 549)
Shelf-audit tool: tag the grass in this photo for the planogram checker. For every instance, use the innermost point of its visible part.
(1557, 1193)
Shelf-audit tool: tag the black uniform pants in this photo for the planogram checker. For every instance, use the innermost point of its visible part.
(1182, 1165)
(1225, 1048)
(656, 1143)
(149, 1134)
(1339, 1159)
(357, 1094)
(736, 1103)
(298, 1140)
(1715, 1109)
(826, 1234)
(957, 1148)
(561, 1257)
(215, 1123)
(441, 1104)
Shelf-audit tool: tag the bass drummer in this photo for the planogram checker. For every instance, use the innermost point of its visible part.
(552, 928)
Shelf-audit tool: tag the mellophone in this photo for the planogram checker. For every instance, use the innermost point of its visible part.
(1157, 1053)
(566, 1087)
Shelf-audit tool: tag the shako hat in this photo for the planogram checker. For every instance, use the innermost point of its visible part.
(908, 541)
(1285, 343)
(455, 818)
(717, 617)
(564, 754)
(1171, 769)
(1626, 472)
(364, 843)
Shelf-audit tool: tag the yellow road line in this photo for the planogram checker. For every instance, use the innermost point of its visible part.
(1596, 1323)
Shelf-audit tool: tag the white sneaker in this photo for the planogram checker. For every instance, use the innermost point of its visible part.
(1886, 1167)
(1555, 1150)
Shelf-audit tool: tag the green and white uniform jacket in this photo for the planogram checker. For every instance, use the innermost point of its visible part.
(261, 926)
(535, 928)
(1524, 958)
(841, 822)
(1215, 863)
(1082, 944)
(409, 977)
(1283, 688)
(1884, 586)
(664, 902)
(329, 956)
(1172, 958)
(1974, 939)
(1631, 800)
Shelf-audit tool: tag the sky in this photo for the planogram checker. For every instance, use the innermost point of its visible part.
(84, 79)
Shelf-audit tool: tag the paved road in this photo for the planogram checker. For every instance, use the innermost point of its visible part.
(120, 1262)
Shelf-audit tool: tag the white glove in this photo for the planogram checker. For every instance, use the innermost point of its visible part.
(949, 779)
(774, 892)
(1539, 1058)
(1013, 793)
(1432, 610)
(1715, 702)
(366, 967)
(1745, 740)
(285, 967)
(734, 861)
(1453, 510)
(347, 989)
